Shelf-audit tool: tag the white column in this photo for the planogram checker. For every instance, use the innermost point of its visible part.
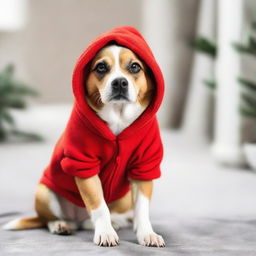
(168, 26)
(12, 14)
(226, 146)
(198, 116)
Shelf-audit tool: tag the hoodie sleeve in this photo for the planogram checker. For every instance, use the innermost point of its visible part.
(83, 166)
(79, 157)
(147, 158)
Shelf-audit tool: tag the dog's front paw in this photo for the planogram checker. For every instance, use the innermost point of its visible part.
(150, 239)
(105, 236)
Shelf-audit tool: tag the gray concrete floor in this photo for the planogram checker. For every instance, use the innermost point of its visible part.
(199, 207)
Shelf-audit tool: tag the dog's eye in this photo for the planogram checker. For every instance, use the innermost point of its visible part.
(101, 68)
(135, 68)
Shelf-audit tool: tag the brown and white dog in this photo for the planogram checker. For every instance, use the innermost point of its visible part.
(119, 88)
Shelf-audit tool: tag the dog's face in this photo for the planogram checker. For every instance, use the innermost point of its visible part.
(117, 75)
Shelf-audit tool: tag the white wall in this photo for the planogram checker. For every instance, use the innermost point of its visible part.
(57, 31)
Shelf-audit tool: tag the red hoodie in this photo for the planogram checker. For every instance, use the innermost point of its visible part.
(88, 147)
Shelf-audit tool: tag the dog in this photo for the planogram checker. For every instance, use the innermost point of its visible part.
(119, 87)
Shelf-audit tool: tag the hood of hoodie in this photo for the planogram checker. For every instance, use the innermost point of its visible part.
(131, 38)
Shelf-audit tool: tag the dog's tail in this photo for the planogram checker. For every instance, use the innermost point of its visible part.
(25, 223)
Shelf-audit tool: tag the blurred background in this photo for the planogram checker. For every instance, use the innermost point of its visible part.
(207, 52)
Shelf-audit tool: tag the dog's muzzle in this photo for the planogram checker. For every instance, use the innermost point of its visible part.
(119, 88)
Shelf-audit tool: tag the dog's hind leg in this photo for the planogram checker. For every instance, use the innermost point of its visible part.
(48, 206)
(121, 211)
(44, 214)
(61, 227)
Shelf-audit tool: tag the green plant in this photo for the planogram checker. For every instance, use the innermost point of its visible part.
(248, 95)
(13, 95)
(249, 48)
(205, 46)
(210, 84)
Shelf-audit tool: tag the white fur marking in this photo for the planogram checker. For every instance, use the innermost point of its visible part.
(142, 225)
(119, 116)
(64, 209)
(54, 205)
(122, 114)
(104, 235)
(87, 225)
(11, 225)
(116, 72)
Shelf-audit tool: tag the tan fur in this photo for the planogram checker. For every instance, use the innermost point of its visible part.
(142, 80)
(145, 186)
(42, 203)
(44, 214)
(29, 223)
(123, 204)
(42, 209)
(90, 190)
(94, 83)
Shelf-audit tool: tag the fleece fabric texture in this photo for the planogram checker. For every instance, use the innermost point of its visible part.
(88, 147)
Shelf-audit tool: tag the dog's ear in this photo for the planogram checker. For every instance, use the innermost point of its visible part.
(86, 71)
(150, 78)
(146, 96)
(93, 98)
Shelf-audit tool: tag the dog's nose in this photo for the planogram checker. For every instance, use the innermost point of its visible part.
(119, 83)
